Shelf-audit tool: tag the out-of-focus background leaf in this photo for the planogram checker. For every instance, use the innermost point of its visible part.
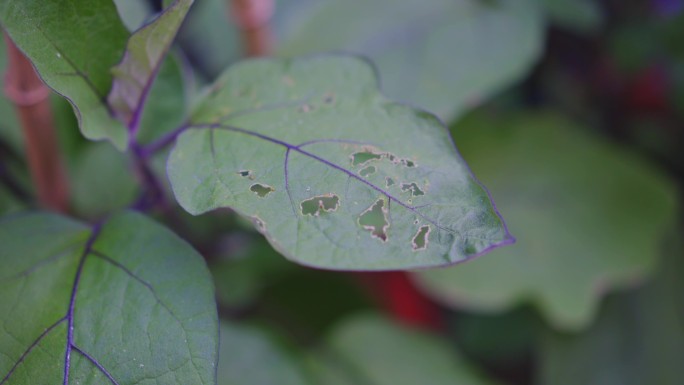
(249, 356)
(588, 216)
(637, 339)
(445, 56)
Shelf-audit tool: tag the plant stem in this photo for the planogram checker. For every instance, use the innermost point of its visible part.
(153, 192)
(30, 97)
(253, 18)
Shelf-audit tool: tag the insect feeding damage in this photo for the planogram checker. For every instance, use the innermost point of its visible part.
(362, 157)
(366, 171)
(316, 205)
(421, 239)
(413, 188)
(369, 154)
(389, 182)
(375, 220)
(261, 189)
(246, 174)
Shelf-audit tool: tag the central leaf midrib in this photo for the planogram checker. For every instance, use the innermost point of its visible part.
(72, 301)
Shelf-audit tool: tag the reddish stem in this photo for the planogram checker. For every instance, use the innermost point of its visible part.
(30, 97)
(253, 18)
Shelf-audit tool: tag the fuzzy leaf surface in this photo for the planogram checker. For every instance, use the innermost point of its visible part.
(125, 303)
(333, 173)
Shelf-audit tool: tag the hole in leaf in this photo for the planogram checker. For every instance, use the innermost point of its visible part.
(246, 174)
(389, 182)
(413, 188)
(323, 203)
(362, 157)
(374, 219)
(420, 240)
(400, 161)
(367, 171)
(261, 189)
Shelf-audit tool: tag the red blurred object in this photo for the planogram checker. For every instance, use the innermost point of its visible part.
(648, 91)
(397, 293)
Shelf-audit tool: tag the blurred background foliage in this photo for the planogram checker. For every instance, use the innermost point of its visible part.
(569, 111)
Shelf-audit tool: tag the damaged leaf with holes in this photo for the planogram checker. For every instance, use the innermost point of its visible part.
(101, 305)
(335, 175)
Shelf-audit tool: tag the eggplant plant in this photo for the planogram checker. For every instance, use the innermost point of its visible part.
(334, 174)
(164, 162)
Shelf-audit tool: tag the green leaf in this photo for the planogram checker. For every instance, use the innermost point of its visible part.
(444, 55)
(102, 181)
(215, 47)
(121, 303)
(334, 174)
(372, 350)
(133, 12)
(73, 44)
(9, 126)
(589, 217)
(249, 357)
(637, 339)
(145, 51)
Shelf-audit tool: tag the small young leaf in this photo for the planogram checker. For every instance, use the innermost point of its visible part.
(142, 59)
(589, 217)
(296, 125)
(118, 303)
(73, 45)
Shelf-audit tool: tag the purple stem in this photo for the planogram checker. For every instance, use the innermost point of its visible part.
(162, 142)
(136, 117)
(153, 193)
